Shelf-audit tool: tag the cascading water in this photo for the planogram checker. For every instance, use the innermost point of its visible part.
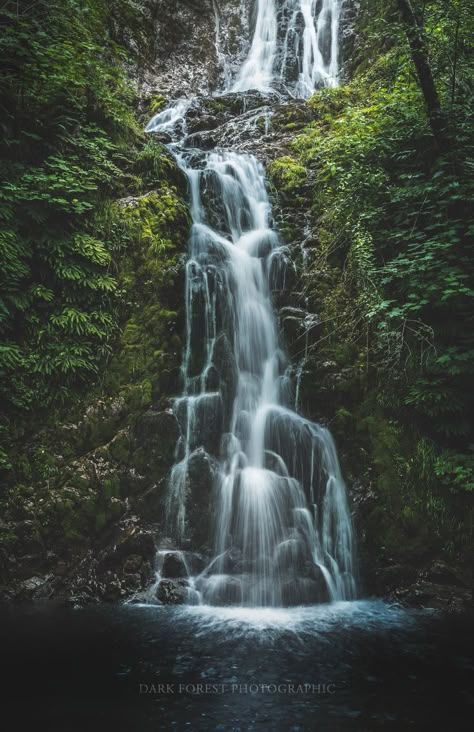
(295, 45)
(281, 529)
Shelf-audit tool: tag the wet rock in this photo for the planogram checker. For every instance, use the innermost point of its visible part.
(131, 549)
(224, 360)
(315, 573)
(28, 564)
(423, 594)
(290, 554)
(229, 563)
(133, 583)
(201, 471)
(201, 475)
(397, 575)
(30, 585)
(441, 573)
(133, 564)
(117, 450)
(154, 434)
(221, 590)
(136, 540)
(36, 588)
(198, 120)
(159, 425)
(187, 60)
(174, 566)
(114, 590)
(100, 421)
(172, 592)
(293, 324)
(197, 562)
(301, 591)
(212, 379)
(206, 415)
(162, 137)
(205, 140)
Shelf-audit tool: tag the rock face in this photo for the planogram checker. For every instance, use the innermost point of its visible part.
(197, 44)
(438, 585)
(201, 474)
(200, 45)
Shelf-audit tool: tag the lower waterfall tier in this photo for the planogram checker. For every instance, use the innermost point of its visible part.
(254, 484)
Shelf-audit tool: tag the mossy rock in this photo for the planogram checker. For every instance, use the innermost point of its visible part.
(287, 174)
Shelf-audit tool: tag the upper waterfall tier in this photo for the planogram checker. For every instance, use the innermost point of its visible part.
(294, 47)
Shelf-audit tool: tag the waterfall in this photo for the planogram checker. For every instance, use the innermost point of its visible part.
(295, 45)
(257, 71)
(281, 526)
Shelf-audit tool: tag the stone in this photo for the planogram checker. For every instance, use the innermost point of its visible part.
(301, 591)
(152, 424)
(37, 588)
(224, 361)
(133, 564)
(222, 590)
(201, 475)
(174, 566)
(187, 61)
(441, 573)
(422, 594)
(114, 590)
(396, 575)
(172, 592)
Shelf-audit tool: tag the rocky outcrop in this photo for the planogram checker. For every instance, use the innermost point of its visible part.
(438, 585)
(197, 44)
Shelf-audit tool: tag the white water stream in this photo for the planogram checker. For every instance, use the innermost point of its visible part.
(282, 530)
(295, 43)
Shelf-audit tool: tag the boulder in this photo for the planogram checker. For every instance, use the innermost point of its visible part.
(224, 361)
(423, 594)
(301, 591)
(441, 573)
(156, 425)
(154, 437)
(174, 566)
(221, 590)
(201, 476)
(172, 592)
(395, 576)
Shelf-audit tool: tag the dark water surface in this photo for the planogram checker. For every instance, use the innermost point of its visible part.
(349, 666)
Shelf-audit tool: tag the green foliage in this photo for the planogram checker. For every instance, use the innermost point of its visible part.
(92, 228)
(68, 127)
(456, 471)
(287, 172)
(392, 271)
(146, 359)
(398, 217)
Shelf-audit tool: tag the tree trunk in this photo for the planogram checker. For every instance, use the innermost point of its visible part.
(423, 69)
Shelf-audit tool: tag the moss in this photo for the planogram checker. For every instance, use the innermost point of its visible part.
(291, 117)
(147, 357)
(385, 449)
(156, 103)
(287, 173)
(118, 449)
(328, 103)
